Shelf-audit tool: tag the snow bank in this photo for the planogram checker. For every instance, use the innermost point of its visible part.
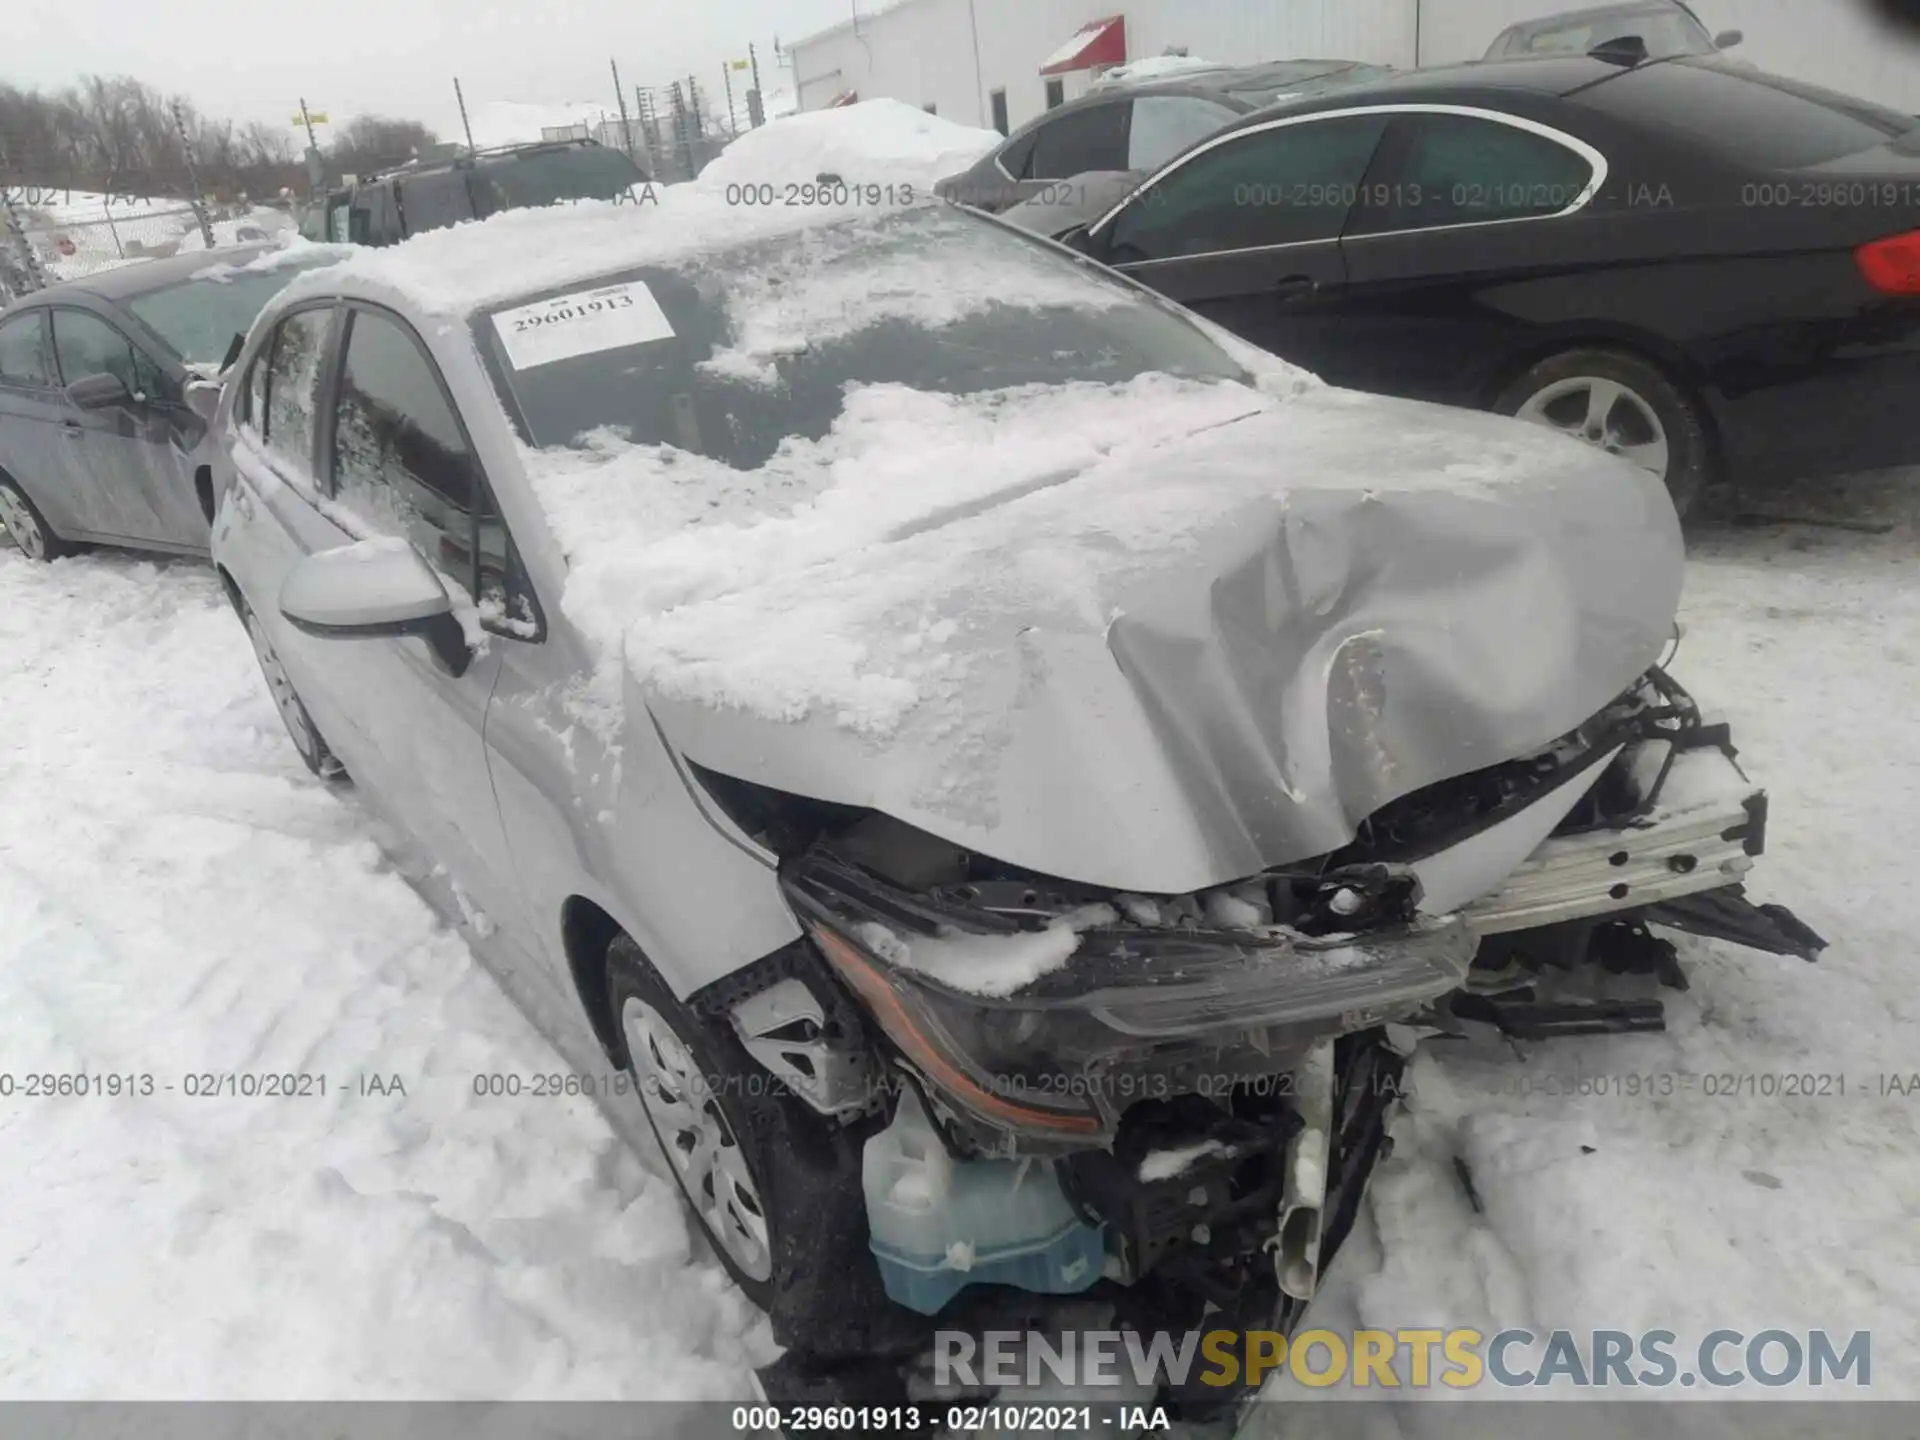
(179, 898)
(876, 142)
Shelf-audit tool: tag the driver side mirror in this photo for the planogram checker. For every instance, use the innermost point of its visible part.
(1727, 39)
(203, 398)
(374, 589)
(98, 392)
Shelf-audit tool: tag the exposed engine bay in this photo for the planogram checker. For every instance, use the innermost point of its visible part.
(1175, 1100)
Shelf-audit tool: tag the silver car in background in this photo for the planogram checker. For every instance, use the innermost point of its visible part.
(1165, 768)
(103, 400)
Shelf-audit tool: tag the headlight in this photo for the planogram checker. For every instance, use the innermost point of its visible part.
(1122, 1014)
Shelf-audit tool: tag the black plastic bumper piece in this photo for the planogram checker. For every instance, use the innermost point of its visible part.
(1727, 914)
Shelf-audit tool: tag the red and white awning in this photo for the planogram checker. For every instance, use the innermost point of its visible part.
(1098, 42)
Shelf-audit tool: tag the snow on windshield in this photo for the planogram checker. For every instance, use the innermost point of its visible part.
(838, 282)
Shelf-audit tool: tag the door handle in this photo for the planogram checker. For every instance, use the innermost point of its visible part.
(1296, 287)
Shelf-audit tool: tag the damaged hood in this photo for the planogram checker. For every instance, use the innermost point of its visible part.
(1194, 656)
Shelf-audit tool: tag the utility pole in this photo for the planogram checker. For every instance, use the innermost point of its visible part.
(13, 222)
(620, 96)
(465, 124)
(193, 177)
(726, 79)
(316, 168)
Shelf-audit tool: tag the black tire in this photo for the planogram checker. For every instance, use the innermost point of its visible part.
(310, 744)
(22, 519)
(819, 1284)
(1649, 390)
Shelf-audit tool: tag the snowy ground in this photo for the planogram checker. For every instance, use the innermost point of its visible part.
(178, 897)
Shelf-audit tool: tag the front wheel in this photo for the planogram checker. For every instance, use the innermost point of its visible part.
(301, 730)
(22, 519)
(1624, 405)
(775, 1185)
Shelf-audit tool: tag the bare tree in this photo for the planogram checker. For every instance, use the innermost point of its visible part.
(375, 142)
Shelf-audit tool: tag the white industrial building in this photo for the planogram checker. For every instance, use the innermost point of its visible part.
(982, 62)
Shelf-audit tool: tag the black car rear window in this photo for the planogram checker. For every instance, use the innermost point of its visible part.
(1751, 118)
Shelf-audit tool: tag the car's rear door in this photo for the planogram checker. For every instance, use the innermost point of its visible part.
(118, 459)
(31, 409)
(1465, 213)
(1245, 229)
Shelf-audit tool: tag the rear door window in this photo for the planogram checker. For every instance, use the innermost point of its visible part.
(292, 387)
(1092, 138)
(1164, 125)
(23, 352)
(1460, 170)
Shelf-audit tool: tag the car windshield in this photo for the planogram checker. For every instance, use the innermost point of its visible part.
(544, 177)
(1667, 32)
(755, 346)
(199, 316)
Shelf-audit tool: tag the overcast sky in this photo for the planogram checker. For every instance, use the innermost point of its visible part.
(245, 60)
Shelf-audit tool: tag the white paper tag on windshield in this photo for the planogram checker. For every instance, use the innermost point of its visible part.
(583, 323)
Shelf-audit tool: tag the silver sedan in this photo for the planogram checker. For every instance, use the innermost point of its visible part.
(103, 397)
(897, 675)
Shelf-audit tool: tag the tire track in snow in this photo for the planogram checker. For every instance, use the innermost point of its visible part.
(177, 896)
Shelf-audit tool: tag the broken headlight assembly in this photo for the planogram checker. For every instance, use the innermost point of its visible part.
(1045, 1055)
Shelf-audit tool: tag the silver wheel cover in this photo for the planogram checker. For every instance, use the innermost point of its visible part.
(18, 522)
(1605, 414)
(285, 699)
(696, 1138)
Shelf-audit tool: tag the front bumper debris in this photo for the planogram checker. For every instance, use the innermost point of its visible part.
(1702, 834)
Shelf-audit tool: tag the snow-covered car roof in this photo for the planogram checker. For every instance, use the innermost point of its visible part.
(876, 157)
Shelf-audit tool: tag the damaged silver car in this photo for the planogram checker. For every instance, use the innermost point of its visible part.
(1005, 766)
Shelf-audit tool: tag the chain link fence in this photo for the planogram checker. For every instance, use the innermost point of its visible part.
(47, 237)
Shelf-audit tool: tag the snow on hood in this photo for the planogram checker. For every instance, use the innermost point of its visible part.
(875, 142)
(1156, 636)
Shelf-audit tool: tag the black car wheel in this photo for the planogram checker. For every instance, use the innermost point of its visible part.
(775, 1185)
(301, 730)
(1624, 405)
(22, 519)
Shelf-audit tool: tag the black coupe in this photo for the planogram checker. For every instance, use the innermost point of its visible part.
(1710, 270)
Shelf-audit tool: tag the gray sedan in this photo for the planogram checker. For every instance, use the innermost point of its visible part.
(1135, 126)
(100, 437)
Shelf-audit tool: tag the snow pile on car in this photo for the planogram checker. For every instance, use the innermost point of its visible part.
(1157, 67)
(875, 142)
